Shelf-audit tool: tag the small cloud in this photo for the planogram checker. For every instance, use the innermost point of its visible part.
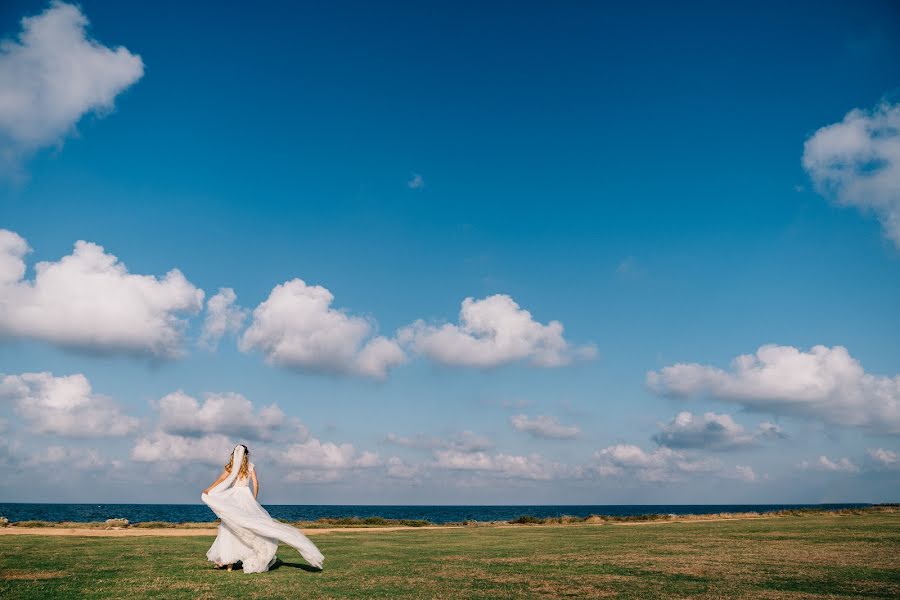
(884, 458)
(416, 182)
(710, 431)
(516, 404)
(661, 465)
(222, 316)
(492, 332)
(464, 441)
(398, 469)
(770, 431)
(544, 426)
(744, 473)
(630, 267)
(843, 465)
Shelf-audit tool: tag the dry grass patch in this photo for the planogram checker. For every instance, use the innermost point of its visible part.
(15, 574)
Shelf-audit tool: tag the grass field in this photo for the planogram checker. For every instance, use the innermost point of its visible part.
(821, 556)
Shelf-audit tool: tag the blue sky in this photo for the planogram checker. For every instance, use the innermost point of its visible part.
(673, 185)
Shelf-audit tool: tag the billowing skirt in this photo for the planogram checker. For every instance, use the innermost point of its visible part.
(249, 534)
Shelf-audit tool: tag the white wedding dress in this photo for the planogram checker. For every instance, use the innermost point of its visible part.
(248, 533)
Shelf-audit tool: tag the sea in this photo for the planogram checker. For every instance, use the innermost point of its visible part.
(181, 513)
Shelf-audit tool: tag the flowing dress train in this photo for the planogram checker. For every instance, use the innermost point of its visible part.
(248, 533)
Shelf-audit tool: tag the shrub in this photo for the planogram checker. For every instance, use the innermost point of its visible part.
(527, 520)
(117, 522)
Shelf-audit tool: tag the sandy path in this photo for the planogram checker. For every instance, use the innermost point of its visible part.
(211, 531)
(175, 532)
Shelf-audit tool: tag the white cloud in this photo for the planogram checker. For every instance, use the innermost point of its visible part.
(314, 461)
(843, 465)
(770, 431)
(418, 441)
(176, 450)
(297, 328)
(710, 431)
(222, 316)
(505, 466)
(315, 476)
(516, 404)
(744, 473)
(884, 458)
(857, 163)
(64, 406)
(416, 182)
(493, 332)
(661, 465)
(73, 458)
(464, 441)
(88, 300)
(51, 76)
(228, 413)
(398, 469)
(544, 426)
(824, 383)
(630, 267)
(318, 455)
(468, 441)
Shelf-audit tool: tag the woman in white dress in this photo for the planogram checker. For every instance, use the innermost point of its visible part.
(248, 534)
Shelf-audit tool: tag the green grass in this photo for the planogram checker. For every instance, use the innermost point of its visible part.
(817, 556)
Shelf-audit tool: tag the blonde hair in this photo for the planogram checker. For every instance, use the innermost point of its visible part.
(245, 464)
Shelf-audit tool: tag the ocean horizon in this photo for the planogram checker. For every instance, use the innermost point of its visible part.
(181, 513)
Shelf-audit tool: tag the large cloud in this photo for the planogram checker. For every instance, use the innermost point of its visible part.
(660, 465)
(223, 316)
(64, 406)
(297, 328)
(711, 431)
(857, 163)
(493, 332)
(228, 413)
(823, 383)
(88, 300)
(544, 426)
(53, 75)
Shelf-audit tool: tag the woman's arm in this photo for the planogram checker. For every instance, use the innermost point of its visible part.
(255, 483)
(216, 482)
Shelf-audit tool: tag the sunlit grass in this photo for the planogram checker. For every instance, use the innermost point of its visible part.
(812, 556)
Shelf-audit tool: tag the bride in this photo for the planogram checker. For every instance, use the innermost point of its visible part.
(247, 533)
